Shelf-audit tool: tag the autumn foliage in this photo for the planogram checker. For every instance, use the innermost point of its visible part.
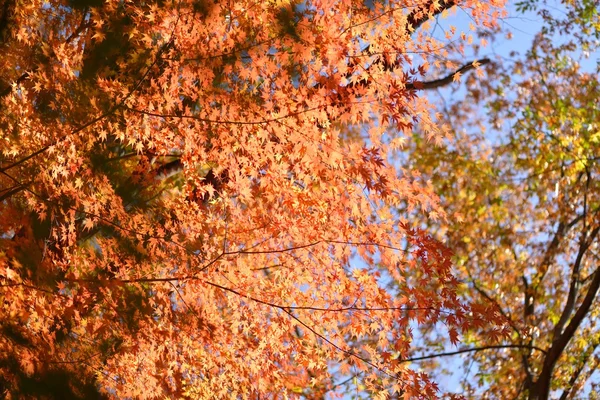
(521, 176)
(198, 198)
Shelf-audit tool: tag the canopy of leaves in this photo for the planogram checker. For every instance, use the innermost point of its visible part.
(187, 188)
(521, 177)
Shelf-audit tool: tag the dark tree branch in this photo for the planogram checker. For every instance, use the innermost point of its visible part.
(419, 16)
(429, 85)
(5, 16)
(525, 356)
(83, 25)
(474, 349)
(168, 169)
(590, 276)
(414, 20)
(18, 187)
(562, 229)
(541, 389)
(528, 311)
(43, 149)
(575, 283)
(12, 191)
(435, 84)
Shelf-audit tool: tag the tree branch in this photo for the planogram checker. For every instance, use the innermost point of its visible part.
(414, 20)
(489, 298)
(12, 191)
(528, 311)
(418, 17)
(578, 371)
(561, 231)
(575, 282)
(18, 187)
(541, 389)
(435, 84)
(582, 311)
(43, 149)
(168, 169)
(474, 349)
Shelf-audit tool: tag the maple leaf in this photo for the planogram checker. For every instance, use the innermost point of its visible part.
(88, 224)
(456, 77)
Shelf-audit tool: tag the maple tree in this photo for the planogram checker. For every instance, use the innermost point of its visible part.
(520, 177)
(187, 185)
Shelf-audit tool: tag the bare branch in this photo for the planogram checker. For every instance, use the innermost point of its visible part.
(474, 349)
